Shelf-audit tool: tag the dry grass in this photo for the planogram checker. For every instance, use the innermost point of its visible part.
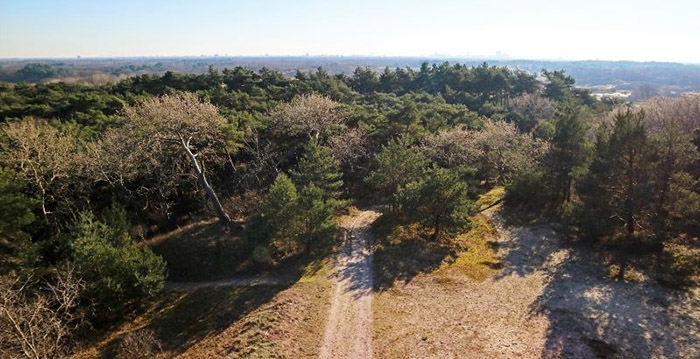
(430, 318)
(444, 301)
(233, 322)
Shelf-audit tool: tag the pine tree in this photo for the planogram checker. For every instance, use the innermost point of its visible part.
(438, 200)
(318, 167)
(618, 191)
(315, 216)
(274, 220)
(569, 149)
(16, 249)
(396, 165)
(405, 115)
(274, 230)
(118, 273)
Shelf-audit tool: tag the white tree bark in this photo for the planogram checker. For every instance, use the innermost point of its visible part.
(221, 212)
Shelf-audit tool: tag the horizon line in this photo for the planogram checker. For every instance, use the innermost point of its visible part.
(427, 57)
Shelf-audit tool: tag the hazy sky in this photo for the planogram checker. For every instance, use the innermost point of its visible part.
(642, 30)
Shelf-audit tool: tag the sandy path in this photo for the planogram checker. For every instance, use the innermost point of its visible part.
(232, 282)
(348, 330)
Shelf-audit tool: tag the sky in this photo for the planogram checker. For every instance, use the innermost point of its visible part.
(637, 30)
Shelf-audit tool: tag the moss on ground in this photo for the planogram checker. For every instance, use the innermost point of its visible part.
(478, 254)
(491, 197)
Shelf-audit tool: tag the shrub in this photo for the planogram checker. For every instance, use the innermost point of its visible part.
(118, 273)
(38, 317)
(527, 188)
(261, 255)
(681, 261)
(140, 344)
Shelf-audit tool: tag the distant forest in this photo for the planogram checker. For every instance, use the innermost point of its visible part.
(654, 78)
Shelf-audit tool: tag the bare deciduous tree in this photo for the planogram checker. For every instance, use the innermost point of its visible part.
(37, 321)
(497, 150)
(350, 147)
(683, 112)
(165, 139)
(44, 157)
(264, 158)
(452, 148)
(530, 109)
(671, 122)
(313, 115)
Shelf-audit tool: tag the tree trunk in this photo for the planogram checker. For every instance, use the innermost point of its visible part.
(437, 227)
(631, 194)
(223, 216)
(623, 268)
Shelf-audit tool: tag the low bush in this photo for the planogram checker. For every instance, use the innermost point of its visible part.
(139, 344)
(681, 261)
(118, 273)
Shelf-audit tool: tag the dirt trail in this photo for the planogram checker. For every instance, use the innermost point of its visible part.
(348, 330)
(232, 282)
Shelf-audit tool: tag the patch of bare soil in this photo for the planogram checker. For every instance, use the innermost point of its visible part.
(433, 318)
(549, 300)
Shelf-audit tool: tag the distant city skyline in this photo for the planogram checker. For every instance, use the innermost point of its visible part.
(644, 30)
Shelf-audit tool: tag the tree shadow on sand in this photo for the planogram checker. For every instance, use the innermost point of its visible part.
(402, 253)
(590, 314)
(182, 318)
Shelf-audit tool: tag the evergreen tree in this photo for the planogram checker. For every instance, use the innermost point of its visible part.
(318, 167)
(315, 216)
(618, 191)
(406, 115)
(117, 271)
(364, 80)
(15, 216)
(558, 85)
(437, 200)
(279, 204)
(396, 165)
(275, 219)
(569, 150)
